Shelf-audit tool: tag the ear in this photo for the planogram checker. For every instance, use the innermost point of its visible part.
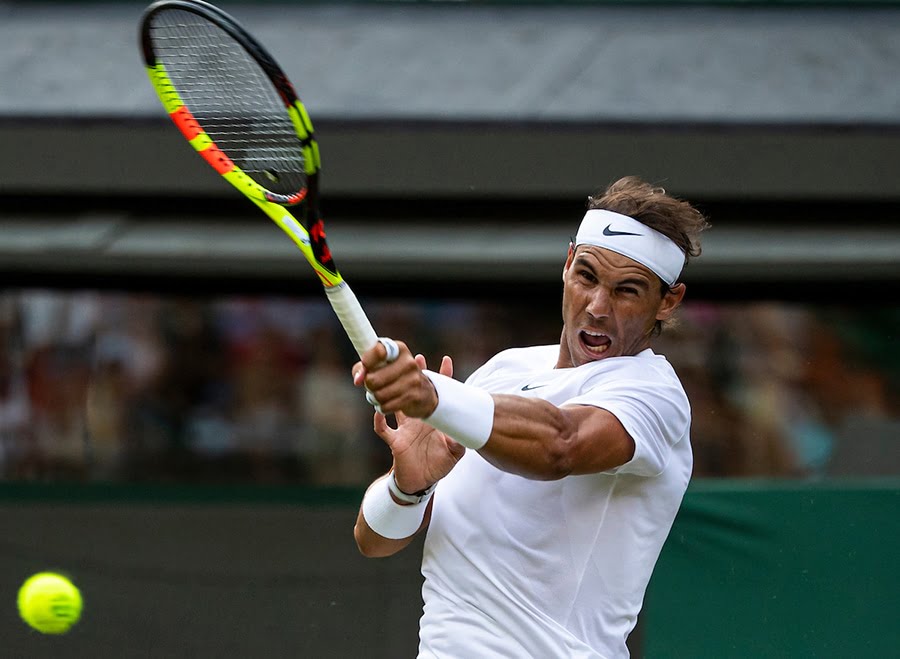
(569, 258)
(671, 301)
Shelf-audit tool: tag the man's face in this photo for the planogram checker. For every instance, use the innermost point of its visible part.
(610, 306)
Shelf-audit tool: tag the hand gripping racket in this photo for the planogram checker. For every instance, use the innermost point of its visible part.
(236, 107)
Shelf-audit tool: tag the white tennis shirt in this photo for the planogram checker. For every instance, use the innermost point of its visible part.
(556, 569)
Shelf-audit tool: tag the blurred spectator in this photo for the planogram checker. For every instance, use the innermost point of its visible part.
(15, 411)
(141, 387)
(728, 438)
(266, 426)
(854, 377)
(772, 348)
(185, 380)
(57, 331)
(338, 443)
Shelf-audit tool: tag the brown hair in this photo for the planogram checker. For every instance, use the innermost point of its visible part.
(649, 204)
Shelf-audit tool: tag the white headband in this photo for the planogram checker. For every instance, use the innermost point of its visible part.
(637, 241)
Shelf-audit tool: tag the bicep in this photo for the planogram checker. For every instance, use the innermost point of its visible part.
(536, 439)
(600, 441)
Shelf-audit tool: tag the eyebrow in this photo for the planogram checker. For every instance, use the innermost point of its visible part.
(634, 281)
(641, 283)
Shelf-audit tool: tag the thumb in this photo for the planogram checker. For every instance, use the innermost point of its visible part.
(456, 450)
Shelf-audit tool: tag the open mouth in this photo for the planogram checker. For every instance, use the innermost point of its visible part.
(595, 342)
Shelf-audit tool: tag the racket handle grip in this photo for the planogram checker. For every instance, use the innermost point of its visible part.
(353, 318)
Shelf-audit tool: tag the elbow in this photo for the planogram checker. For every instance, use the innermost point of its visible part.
(554, 458)
(564, 447)
(558, 454)
(560, 447)
(369, 552)
(559, 462)
(366, 548)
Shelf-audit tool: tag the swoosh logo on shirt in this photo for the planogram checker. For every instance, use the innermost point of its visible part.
(529, 387)
(612, 232)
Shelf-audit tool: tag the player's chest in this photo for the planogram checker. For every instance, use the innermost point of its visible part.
(554, 385)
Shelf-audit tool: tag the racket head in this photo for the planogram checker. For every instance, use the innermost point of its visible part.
(234, 104)
(231, 100)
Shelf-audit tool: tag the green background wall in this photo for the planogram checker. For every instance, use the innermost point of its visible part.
(751, 569)
(779, 570)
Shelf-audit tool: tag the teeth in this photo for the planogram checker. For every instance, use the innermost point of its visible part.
(596, 350)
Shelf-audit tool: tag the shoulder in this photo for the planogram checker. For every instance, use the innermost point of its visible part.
(644, 393)
(531, 355)
(518, 359)
(646, 371)
(643, 366)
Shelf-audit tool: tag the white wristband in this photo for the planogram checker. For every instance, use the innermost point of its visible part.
(463, 412)
(387, 517)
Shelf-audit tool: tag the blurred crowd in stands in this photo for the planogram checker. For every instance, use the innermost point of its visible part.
(123, 387)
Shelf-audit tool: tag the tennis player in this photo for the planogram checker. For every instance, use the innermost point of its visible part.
(549, 481)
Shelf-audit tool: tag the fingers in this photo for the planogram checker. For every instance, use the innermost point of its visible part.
(456, 450)
(391, 396)
(359, 374)
(371, 400)
(385, 351)
(391, 349)
(383, 378)
(398, 385)
(446, 366)
(382, 429)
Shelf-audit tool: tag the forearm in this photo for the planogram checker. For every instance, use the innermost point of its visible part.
(395, 524)
(529, 436)
(536, 439)
(372, 545)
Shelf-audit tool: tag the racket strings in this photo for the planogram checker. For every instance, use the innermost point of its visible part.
(231, 97)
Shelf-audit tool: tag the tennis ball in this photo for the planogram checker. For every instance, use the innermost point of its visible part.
(49, 602)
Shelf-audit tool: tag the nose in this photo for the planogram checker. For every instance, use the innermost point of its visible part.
(598, 306)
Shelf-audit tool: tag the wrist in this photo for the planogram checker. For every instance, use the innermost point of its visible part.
(388, 518)
(463, 412)
(405, 498)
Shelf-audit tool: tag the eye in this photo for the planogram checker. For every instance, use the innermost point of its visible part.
(628, 290)
(587, 276)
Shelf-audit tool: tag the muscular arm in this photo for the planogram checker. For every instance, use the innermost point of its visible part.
(536, 439)
(529, 436)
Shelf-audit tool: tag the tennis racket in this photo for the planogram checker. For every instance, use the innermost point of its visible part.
(236, 107)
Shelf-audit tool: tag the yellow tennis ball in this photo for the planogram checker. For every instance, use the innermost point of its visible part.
(49, 602)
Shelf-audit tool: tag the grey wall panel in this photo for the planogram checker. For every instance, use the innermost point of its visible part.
(474, 160)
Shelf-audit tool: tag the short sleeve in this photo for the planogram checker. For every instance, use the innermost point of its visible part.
(656, 415)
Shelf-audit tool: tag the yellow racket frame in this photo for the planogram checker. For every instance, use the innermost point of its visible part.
(205, 146)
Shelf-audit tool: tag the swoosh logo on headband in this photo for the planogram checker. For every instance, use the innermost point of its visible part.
(610, 232)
